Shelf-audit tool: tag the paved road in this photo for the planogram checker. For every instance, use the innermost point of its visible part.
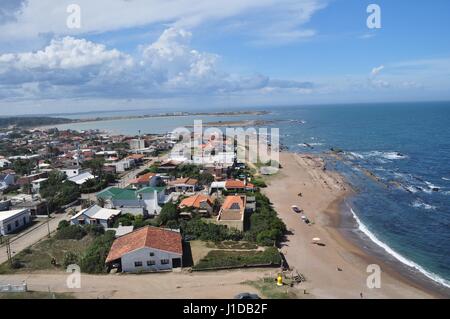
(31, 237)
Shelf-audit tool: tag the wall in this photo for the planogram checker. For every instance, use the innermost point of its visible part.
(143, 255)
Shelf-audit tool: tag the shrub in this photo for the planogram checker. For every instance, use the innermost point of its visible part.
(63, 224)
(94, 230)
(168, 212)
(232, 258)
(71, 232)
(93, 261)
(70, 258)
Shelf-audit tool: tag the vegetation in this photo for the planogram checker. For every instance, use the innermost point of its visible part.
(93, 260)
(235, 258)
(58, 191)
(266, 228)
(169, 212)
(198, 229)
(32, 121)
(97, 184)
(71, 232)
(267, 286)
(35, 295)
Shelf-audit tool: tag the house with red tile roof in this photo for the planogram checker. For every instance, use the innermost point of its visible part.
(146, 249)
(148, 179)
(201, 204)
(232, 212)
(184, 184)
(236, 185)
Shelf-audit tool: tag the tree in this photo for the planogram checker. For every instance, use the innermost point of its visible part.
(70, 258)
(168, 212)
(205, 178)
(58, 191)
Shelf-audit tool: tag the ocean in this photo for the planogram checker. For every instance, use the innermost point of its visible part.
(402, 212)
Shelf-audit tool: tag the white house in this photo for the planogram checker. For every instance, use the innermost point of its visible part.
(95, 215)
(81, 178)
(13, 220)
(7, 180)
(147, 249)
(36, 184)
(4, 163)
(71, 171)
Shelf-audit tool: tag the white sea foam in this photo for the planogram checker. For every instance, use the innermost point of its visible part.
(420, 204)
(446, 178)
(396, 255)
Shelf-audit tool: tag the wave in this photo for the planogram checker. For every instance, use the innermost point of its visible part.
(446, 178)
(379, 155)
(420, 204)
(396, 255)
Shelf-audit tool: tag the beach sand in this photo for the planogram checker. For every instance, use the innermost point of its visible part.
(322, 195)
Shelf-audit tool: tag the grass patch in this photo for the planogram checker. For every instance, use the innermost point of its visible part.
(232, 245)
(35, 295)
(268, 287)
(39, 256)
(236, 259)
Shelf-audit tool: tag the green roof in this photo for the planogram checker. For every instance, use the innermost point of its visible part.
(151, 189)
(126, 193)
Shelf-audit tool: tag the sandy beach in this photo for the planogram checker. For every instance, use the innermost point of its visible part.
(338, 269)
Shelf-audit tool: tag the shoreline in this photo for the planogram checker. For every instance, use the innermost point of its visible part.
(324, 195)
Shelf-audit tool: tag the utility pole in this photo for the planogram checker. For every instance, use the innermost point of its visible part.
(48, 219)
(8, 250)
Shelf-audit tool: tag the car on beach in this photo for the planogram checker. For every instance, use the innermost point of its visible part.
(296, 209)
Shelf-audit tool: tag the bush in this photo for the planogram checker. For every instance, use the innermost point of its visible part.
(71, 232)
(198, 229)
(232, 258)
(93, 261)
(63, 224)
(16, 264)
(94, 230)
(70, 258)
(169, 212)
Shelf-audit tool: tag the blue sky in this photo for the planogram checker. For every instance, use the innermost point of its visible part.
(180, 53)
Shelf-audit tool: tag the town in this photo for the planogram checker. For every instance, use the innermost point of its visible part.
(130, 204)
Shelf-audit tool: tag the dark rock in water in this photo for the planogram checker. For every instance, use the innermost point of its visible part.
(336, 150)
(435, 189)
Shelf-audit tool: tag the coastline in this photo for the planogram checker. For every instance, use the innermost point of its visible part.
(337, 270)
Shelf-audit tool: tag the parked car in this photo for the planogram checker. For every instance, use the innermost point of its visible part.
(246, 295)
(296, 209)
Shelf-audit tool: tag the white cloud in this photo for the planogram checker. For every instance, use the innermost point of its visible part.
(282, 19)
(77, 68)
(377, 70)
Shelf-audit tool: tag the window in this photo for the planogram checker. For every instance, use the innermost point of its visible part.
(9, 227)
(165, 261)
(151, 263)
(16, 223)
(24, 220)
(152, 254)
(138, 264)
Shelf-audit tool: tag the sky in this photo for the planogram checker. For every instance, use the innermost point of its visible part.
(132, 54)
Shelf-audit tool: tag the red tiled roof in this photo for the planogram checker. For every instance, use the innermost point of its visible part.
(143, 178)
(152, 237)
(230, 183)
(184, 181)
(194, 201)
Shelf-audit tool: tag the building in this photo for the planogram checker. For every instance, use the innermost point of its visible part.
(37, 184)
(235, 185)
(184, 184)
(149, 179)
(146, 249)
(145, 201)
(200, 204)
(232, 212)
(81, 178)
(136, 144)
(13, 220)
(7, 180)
(71, 171)
(96, 215)
(4, 163)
